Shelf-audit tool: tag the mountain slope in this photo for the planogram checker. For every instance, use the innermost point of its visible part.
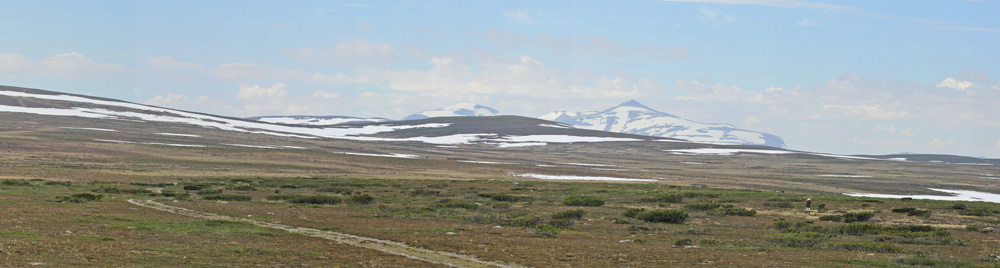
(634, 118)
(461, 109)
(309, 120)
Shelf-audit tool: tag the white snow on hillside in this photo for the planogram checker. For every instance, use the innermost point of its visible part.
(461, 109)
(317, 120)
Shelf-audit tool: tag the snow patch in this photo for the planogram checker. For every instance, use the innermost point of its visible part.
(588, 165)
(957, 195)
(179, 135)
(561, 139)
(90, 128)
(576, 178)
(486, 162)
(392, 155)
(717, 151)
(845, 176)
(523, 144)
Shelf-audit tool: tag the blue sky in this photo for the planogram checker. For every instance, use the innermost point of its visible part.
(834, 76)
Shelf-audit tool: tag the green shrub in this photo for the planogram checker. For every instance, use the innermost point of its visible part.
(974, 228)
(243, 188)
(116, 190)
(782, 225)
(913, 212)
(959, 206)
(361, 199)
(562, 222)
(880, 247)
(665, 198)
(209, 191)
(59, 183)
(798, 240)
(543, 230)
(500, 205)
(455, 203)
(505, 197)
(78, 198)
(703, 206)
(833, 218)
(315, 199)
(675, 216)
(15, 183)
(336, 190)
(858, 216)
(855, 229)
(569, 214)
(735, 212)
(584, 201)
(424, 192)
(708, 242)
(977, 212)
(228, 197)
(683, 242)
(193, 187)
(633, 212)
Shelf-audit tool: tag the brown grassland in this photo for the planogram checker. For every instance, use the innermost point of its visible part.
(63, 204)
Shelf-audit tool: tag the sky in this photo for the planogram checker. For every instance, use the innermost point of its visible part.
(848, 77)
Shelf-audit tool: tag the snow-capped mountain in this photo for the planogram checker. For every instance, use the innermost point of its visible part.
(461, 109)
(310, 120)
(634, 118)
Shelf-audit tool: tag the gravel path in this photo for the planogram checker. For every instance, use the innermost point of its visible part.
(392, 247)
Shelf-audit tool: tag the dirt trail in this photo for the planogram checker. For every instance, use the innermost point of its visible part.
(392, 247)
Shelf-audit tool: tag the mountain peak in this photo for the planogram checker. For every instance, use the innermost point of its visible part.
(634, 104)
(461, 109)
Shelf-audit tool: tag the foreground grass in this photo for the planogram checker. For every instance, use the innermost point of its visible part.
(523, 222)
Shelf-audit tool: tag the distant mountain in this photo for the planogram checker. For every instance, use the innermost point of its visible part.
(634, 118)
(310, 120)
(462, 109)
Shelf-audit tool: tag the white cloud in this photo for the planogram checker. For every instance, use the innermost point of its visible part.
(255, 91)
(751, 120)
(807, 23)
(663, 53)
(167, 63)
(702, 90)
(600, 45)
(255, 71)
(325, 94)
(69, 65)
(997, 147)
(955, 84)
(711, 15)
(558, 44)
(504, 39)
(520, 76)
(521, 16)
(351, 53)
(777, 3)
(865, 112)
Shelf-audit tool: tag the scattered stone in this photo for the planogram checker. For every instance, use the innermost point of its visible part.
(451, 233)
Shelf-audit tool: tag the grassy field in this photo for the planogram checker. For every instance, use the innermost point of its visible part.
(63, 199)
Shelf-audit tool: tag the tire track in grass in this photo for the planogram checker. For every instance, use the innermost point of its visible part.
(392, 247)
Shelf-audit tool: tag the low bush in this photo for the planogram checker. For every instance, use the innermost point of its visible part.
(243, 188)
(59, 183)
(879, 247)
(584, 201)
(633, 212)
(708, 242)
(735, 212)
(424, 192)
(209, 191)
(505, 197)
(683, 242)
(833, 218)
(78, 198)
(562, 222)
(228, 197)
(15, 183)
(116, 190)
(959, 206)
(193, 187)
(913, 212)
(569, 214)
(703, 206)
(543, 230)
(674, 216)
(977, 212)
(336, 190)
(315, 199)
(361, 199)
(798, 240)
(665, 198)
(455, 203)
(858, 216)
